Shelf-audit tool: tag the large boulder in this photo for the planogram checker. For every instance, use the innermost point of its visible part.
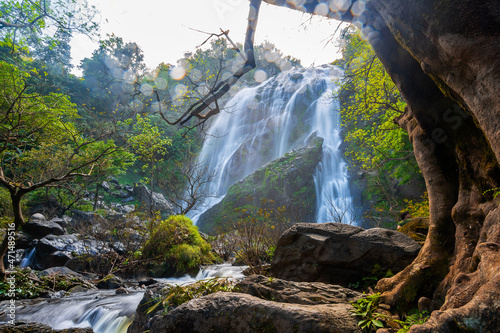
(263, 305)
(152, 199)
(238, 312)
(38, 227)
(54, 250)
(81, 219)
(340, 253)
(288, 181)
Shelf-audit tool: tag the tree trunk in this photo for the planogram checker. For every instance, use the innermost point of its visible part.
(444, 56)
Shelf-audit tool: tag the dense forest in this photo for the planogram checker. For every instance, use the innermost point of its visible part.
(63, 135)
(118, 144)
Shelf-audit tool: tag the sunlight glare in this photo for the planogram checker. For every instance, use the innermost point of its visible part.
(177, 72)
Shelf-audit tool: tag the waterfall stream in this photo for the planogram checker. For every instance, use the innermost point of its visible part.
(102, 310)
(262, 123)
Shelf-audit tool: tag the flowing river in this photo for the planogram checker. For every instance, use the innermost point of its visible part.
(102, 310)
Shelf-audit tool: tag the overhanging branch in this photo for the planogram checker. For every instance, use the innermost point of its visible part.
(199, 109)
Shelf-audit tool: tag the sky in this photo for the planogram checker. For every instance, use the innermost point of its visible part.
(164, 28)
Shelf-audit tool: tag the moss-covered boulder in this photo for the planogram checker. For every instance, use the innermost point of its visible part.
(286, 182)
(176, 248)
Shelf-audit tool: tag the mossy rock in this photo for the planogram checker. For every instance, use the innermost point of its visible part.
(287, 182)
(176, 248)
(417, 229)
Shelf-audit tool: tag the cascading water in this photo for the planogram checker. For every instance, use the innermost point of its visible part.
(334, 202)
(102, 310)
(29, 258)
(264, 122)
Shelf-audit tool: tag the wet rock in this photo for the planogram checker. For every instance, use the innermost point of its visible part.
(339, 253)
(58, 250)
(121, 291)
(147, 282)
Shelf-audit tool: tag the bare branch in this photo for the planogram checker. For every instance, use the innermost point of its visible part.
(196, 110)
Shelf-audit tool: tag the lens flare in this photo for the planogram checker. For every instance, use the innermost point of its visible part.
(341, 5)
(260, 75)
(146, 89)
(161, 83)
(177, 72)
(321, 9)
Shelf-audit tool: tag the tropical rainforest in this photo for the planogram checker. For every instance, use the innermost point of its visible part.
(419, 111)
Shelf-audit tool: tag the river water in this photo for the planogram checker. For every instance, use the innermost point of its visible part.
(102, 310)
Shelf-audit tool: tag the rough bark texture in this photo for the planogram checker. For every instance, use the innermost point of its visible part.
(444, 56)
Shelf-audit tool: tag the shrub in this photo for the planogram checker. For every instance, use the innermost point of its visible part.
(177, 247)
(177, 295)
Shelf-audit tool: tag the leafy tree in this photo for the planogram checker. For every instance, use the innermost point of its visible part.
(375, 144)
(40, 143)
(111, 76)
(35, 19)
(150, 146)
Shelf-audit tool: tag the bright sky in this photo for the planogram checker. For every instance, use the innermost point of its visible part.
(162, 28)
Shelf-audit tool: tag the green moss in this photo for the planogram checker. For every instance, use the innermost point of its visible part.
(177, 247)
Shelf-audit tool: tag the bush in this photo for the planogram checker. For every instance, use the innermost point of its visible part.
(176, 247)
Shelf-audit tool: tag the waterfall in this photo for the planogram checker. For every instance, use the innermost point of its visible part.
(102, 310)
(334, 202)
(262, 123)
(29, 258)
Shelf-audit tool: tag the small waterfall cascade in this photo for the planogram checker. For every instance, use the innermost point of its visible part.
(262, 123)
(29, 258)
(103, 310)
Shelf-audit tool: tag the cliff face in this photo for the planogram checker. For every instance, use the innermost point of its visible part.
(444, 56)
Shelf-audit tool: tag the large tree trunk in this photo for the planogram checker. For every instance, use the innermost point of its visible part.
(444, 56)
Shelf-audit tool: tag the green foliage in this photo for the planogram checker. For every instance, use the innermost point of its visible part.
(177, 247)
(370, 103)
(177, 295)
(413, 318)
(29, 20)
(418, 208)
(364, 309)
(31, 284)
(495, 192)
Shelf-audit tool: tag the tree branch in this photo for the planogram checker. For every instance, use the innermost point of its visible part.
(197, 109)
